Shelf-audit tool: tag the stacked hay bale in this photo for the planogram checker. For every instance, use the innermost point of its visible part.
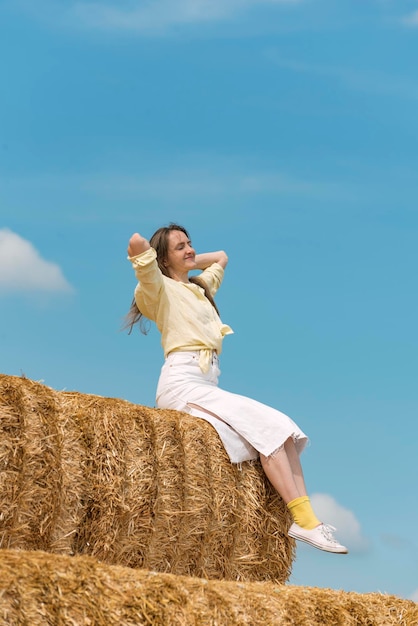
(40, 588)
(113, 513)
(133, 486)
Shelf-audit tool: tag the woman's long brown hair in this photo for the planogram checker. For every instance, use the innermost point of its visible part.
(159, 241)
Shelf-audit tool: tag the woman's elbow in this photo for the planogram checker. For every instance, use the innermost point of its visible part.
(223, 258)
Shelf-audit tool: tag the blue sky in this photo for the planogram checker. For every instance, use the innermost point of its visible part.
(284, 132)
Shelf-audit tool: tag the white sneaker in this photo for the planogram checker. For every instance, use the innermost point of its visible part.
(320, 537)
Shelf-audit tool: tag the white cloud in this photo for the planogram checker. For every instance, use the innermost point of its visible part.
(159, 15)
(349, 530)
(411, 20)
(23, 269)
(414, 596)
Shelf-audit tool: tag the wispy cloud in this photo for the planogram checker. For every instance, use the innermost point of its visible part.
(349, 529)
(160, 15)
(23, 269)
(411, 19)
(414, 596)
(364, 80)
(190, 183)
(395, 542)
(193, 184)
(147, 17)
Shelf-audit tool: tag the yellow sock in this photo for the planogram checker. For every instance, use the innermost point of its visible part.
(303, 513)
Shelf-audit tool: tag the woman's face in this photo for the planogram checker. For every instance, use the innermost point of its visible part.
(181, 256)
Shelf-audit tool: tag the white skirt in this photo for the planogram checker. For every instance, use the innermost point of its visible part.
(245, 426)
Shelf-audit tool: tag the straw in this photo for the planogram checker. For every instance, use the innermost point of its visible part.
(134, 486)
(39, 588)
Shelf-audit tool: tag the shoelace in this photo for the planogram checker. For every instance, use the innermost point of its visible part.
(327, 530)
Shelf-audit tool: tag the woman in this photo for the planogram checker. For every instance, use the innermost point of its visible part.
(191, 334)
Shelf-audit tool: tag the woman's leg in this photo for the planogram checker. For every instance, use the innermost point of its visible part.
(284, 471)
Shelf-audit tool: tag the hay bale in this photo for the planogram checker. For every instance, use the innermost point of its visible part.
(39, 588)
(30, 453)
(134, 486)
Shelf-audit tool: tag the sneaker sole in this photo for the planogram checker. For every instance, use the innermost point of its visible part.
(318, 545)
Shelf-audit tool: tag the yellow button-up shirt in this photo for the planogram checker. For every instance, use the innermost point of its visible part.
(183, 315)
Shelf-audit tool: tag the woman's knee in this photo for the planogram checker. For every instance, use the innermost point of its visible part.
(289, 444)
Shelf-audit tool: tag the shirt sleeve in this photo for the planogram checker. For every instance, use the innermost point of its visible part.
(150, 281)
(213, 277)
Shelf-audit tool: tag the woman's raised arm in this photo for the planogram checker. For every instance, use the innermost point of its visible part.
(207, 258)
